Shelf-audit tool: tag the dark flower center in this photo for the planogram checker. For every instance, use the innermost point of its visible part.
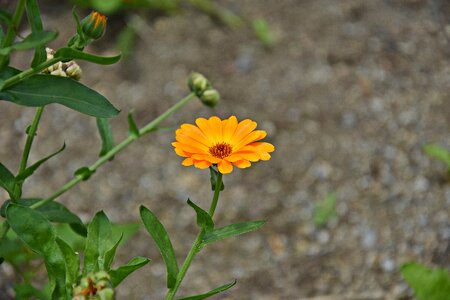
(221, 150)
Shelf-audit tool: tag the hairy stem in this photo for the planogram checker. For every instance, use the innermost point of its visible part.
(195, 247)
(119, 147)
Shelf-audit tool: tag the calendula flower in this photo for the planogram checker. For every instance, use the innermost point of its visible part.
(94, 25)
(225, 143)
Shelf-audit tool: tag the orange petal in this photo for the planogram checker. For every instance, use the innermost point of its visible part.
(202, 164)
(264, 156)
(216, 125)
(189, 148)
(209, 158)
(195, 133)
(251, 137)
(242, 164)
(182, 153)
(225, 167)
(187, 162)
(242, 129)
(229, 127)
(187, 140)
(263, 147)
(203, 124)
(251, 156)
(233, 157)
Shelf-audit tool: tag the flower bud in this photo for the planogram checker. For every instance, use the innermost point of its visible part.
(94, 25)
(73, 70)
(210, 97)
(94, 287)
(198, 83)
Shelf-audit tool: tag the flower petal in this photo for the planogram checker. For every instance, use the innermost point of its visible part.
(242, 129)
(252, 137)
(209, 158)
(229, 127)
(203, 124)
(264, 156)
(187, 162)
(242, 164)
(182, 153)
(187, 140)
(202, 164)
(225, 167)
(195, 133)
(216, 125)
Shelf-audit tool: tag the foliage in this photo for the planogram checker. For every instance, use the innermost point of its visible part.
(325, 210)
(427, 283)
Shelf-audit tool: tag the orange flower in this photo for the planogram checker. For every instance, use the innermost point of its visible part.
(222, 142)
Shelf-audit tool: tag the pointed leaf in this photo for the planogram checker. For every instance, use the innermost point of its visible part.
(70, 53)
(438, 152)
(72, 261)
(32, 41)
(98, 242)
(40, 90)
(213, 179)
(105, 131)
(119, 274)
(7, 180)
(30, 170)
(52, 211)
(34, 19)
(427, 283)
(204, 220)
(133, 128)
(230, 230)
(37, 232)
(109, 255)
(162, 240)
(213, 292)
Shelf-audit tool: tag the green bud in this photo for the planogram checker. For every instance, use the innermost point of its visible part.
(198, 83)
(210, 97)
(95, 286)
(94, 25)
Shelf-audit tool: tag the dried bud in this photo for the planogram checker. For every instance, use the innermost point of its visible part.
(94, 25)
(198, 83)
(210, 97)
(73, 70)
(94, 287)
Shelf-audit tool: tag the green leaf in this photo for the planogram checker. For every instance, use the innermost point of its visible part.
(438, 152)
(25, 291)
(109, 255)
(162, 240)
(262, 31)
(34, 40)
(5, 17)
(7, 180)
(34, 19)
(98, 242)
(213, 179)
(119, 274)
(105, 131)
(72, 261)
(70, 53)
(40, 90)
(37, 232)
(84, 173)
(427, 283)
(133, 128)
(204, 220)
(52, 211)
(213, 292)
(230, 230)
(30, 170)
(325, 210)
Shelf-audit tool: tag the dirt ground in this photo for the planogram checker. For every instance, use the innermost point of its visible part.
(349, 94)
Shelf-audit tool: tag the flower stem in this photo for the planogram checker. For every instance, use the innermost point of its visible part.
(12, 29)
(119, 147)
(195, 247)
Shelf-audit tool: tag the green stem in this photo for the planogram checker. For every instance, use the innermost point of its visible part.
(28, 72)
(105, 158)
(30, 138)
(195, 247)
(12, 28)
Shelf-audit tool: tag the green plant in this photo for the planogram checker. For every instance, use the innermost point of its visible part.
(427, 283)
(438, 152)
(325, 210)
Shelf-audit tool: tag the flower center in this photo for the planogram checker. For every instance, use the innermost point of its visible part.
(221, 150)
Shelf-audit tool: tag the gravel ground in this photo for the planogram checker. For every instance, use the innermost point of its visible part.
(350, 93)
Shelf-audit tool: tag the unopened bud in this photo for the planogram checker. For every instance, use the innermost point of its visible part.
(210, 97)
(94, 287)
(198, 83)
(94, 25)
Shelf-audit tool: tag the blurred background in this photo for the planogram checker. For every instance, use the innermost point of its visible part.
(348, 91)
